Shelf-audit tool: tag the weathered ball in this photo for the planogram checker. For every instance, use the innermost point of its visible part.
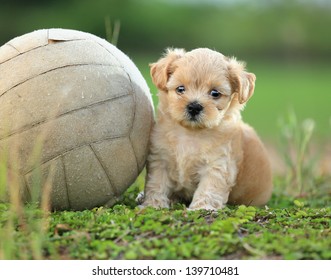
(76, 114)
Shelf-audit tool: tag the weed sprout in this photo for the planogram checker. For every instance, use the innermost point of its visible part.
(296, 140)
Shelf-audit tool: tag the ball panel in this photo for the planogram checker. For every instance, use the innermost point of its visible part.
(111, 119)
(130, 68)
(87, 182)
(123, 60)
(7, 52)
(118, 159)
(142, 125)
(53, 56)
(30, 41)
(61, 91)
(53, 172)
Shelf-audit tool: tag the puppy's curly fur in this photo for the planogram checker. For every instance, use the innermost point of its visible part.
(201, 151)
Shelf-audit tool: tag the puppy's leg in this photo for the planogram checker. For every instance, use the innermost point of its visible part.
(211, 194)
(214, 188)
(158, 184)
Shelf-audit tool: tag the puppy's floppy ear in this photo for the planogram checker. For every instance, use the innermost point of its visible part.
(163, 68)
(242, 82)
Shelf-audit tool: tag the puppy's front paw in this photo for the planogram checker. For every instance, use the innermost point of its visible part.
(203, 207)
(156, 202)
(206, 204)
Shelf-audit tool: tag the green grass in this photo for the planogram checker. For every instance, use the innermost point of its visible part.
(287, 229)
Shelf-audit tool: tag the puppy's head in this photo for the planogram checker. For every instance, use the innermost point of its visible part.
(201, 87)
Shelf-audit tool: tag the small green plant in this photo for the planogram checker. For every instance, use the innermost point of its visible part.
(23, 227)
(296, 139)
(112, 33)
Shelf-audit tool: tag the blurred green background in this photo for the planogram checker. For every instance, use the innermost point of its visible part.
(286, 43)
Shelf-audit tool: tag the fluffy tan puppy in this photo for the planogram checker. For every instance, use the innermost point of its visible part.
(202, 152)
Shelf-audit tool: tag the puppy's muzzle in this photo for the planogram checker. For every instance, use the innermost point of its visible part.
(194, 109)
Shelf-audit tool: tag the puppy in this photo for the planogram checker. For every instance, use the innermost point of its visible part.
(201, 151)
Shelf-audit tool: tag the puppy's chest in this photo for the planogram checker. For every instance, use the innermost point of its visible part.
(189, 156)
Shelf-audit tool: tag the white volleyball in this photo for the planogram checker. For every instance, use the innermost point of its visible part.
(75, 108)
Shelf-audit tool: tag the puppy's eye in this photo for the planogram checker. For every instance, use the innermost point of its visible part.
(215, 93)
(180, 89)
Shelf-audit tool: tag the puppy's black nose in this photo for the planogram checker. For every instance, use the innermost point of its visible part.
(194, 108)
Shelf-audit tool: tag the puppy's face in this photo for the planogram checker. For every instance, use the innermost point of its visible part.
(198, 88)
